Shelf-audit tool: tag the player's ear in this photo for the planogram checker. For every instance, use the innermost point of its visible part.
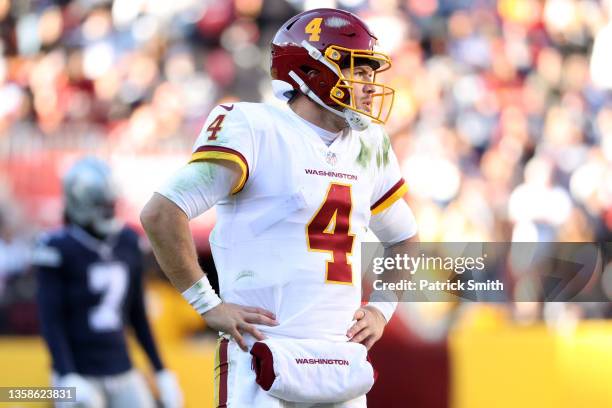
(312, 73)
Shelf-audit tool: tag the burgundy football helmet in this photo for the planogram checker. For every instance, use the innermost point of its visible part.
(309, 53)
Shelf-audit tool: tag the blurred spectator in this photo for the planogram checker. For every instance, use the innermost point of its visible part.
(502, 119)
(14, 248)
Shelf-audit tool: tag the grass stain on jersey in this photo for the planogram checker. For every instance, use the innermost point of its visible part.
(204, 175)
(386, 148)
(363, 158)
(382, 153)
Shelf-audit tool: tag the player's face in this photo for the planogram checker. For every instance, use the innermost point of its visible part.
(362, 92)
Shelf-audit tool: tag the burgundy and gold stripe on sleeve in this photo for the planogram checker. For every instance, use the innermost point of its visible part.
(391, 196)
(224, 153)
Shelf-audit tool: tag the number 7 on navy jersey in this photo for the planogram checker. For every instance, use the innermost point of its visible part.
(110, 280)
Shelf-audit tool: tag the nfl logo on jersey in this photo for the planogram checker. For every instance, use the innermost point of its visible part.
(331, 158)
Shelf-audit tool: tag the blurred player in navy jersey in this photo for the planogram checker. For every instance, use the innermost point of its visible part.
(89, 289)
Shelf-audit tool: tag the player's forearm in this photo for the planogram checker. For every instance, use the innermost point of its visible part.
(404, 247)
(386, 301)
(54, 336)
(53, 327)
(167, 227)
(140, 323)
(143, 333)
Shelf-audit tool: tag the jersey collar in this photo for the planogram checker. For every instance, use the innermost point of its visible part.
(104, 248)
(315, 133)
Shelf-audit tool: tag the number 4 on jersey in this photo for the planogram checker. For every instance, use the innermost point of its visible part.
(215, 127)
(329, 231)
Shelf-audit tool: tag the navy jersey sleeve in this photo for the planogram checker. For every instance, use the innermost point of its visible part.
(138, 316)
(51, 305)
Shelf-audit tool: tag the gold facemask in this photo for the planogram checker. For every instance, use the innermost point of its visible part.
(382, 95)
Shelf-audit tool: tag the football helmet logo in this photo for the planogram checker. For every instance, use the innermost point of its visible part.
(309, 53)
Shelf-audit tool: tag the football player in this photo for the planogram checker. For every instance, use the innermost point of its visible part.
(296, 190)
(89, 288)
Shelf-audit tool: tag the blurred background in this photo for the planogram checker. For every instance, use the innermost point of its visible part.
(502, 124)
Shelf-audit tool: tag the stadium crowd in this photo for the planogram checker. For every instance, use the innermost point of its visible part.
(502, 119)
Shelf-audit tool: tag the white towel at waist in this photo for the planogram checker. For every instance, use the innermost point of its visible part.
(315, 371)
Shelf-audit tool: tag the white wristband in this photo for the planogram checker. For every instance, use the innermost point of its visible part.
(201, 296)
(385, 301)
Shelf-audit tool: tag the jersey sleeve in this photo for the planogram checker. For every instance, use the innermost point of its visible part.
(198, 186)
(395, 224)
(227, 135)
(389, 185)
(51, 292)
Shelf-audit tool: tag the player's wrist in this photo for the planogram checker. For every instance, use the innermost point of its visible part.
(73, 375)
(386, 310)
(385, 302)
(162, 374)
(87, 395)
(169, 389)
(376, 312)
(201, 296)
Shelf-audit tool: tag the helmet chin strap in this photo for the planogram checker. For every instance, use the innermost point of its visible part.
(106, 227)
(355, 120)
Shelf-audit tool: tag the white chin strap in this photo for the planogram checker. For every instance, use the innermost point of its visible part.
(355, 120)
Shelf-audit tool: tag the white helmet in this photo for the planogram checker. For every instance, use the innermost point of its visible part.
(90, 195)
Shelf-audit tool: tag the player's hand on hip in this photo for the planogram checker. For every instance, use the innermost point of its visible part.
(236, 319)
(368, 328)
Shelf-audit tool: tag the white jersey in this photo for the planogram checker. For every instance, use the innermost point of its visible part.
(288, 237)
